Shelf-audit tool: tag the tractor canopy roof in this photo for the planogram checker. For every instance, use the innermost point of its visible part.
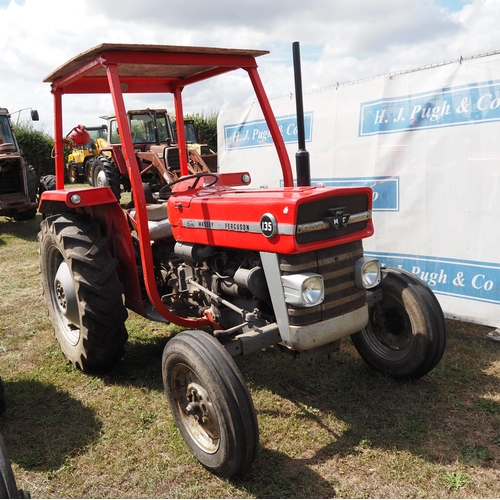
(147, 68)
(120, 69)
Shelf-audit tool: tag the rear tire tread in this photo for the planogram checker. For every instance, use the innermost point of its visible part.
(102, 312)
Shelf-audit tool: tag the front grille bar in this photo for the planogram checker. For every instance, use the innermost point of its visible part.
(320, 225)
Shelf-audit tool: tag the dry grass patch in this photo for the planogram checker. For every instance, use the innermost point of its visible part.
(333, 429)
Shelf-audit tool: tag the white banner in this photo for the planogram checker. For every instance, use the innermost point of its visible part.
(428, 143)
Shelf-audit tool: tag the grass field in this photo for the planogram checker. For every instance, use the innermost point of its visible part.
(332, 429)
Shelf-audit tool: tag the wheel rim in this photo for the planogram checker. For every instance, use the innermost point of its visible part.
(72, 174)
(196, 409)
(101, 179)
(396, 342)
(88, 172)
(63, 297)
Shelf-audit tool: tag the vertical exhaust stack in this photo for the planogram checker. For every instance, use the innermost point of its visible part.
(302, 163)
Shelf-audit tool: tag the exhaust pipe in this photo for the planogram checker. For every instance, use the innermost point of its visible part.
(302, 163)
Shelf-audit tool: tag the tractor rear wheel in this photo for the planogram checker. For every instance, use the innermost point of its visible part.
(210, 402)
(47, 183)
(8, 486)
(105, 173)
(82, 291)
(406, 335)
(3, 405)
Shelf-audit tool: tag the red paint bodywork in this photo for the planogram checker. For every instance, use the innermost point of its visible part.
(237, 209)
(130, 68)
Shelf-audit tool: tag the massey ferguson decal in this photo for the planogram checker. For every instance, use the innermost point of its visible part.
(336, 217)
(244, 227)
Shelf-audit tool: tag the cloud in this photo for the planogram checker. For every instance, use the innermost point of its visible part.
(342, 41)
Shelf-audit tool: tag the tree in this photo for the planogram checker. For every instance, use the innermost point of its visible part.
(36, 146)
(206, 128)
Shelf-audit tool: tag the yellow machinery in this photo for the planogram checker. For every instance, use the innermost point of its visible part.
(79, 161)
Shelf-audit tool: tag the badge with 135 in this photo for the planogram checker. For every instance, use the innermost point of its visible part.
(268, 225)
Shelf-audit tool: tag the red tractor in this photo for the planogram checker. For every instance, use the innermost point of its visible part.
(239, 268)
(157, 158)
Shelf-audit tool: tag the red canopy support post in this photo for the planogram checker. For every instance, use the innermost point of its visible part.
(274, 129)
(140, 203)
(58, 138)
(181, 136)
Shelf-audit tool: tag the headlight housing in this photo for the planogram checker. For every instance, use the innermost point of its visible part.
(304, 290)
(367, 272)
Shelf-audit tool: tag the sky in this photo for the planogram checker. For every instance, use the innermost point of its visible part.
(340, 41)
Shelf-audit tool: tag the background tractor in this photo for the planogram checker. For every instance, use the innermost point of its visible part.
(18, 179)
(80, 158)
(208, 156)
(156, 152)
(239, 268)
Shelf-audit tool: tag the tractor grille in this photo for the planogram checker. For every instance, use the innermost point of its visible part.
(336, 265)
(318, 211)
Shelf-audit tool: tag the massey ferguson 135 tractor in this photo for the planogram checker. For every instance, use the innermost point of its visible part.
(240, 268)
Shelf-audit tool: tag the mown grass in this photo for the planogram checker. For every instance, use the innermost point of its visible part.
(334, 428)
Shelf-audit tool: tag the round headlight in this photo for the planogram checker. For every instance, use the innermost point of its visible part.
(312, 291)
(367, 272)
(303, 290)
(371, 273)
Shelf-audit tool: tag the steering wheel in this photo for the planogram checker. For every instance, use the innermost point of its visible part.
(166, 191)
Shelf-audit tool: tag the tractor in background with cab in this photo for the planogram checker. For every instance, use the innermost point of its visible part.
(208, 156)
(18, 179)
(157, 154)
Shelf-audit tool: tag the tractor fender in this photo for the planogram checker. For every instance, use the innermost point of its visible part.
(101, 204)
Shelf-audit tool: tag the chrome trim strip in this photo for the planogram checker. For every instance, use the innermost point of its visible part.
(254, 227)
(320, 225)
(228, 225)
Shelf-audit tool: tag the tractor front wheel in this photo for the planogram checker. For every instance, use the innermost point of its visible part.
(105, 173)
(88, 171)
(210, 402)
(82, 291)
(72, 172)
(406, 334)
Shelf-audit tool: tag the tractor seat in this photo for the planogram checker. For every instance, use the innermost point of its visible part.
(158, 223)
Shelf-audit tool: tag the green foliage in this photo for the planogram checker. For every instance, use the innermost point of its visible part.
(456, 480)
(36, 146)
(489, 406)
(476, 453)
(206, 128)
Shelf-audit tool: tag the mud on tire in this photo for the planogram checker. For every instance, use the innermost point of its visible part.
(82, 291)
